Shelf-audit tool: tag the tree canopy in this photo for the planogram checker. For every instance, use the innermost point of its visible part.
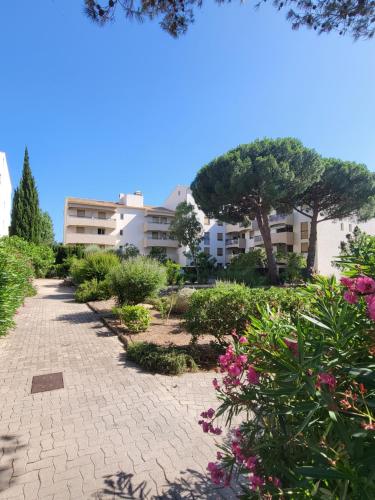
(355, 18)
(46, 236)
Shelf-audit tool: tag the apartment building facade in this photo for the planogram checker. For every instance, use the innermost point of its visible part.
(5, 196)
(130, 221)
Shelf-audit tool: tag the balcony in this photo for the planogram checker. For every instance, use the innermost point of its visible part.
(160, 242)
(235, 243)
(72, 220)
(233, 228)
(286, 238)
(156, 226)
(90, 239)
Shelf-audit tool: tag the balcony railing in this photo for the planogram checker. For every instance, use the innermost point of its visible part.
(73, 220)
(90, 239)
(156, 226)
(235, 242)
(160, 242)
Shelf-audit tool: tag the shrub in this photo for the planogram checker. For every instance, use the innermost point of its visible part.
(162, 304)
(245, 268)
(357, 255)
(136, 279)
(16, 273)
(230, 306)
(41, 257)
(135, 318)
(94, 265)
(93, 290)
(306, 392)
(181, 300)
(174, 274)
(160, 359)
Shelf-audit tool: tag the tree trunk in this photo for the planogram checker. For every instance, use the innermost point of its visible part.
(312, 244)
(264, 228)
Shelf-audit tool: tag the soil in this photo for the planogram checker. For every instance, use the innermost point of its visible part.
(168, 332)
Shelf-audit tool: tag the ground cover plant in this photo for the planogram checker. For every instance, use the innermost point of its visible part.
(135, 318)
(305, 388)
(137, 279)
(159, 359)
(228, 306)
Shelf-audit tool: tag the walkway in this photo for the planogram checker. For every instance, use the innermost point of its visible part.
(113, 431)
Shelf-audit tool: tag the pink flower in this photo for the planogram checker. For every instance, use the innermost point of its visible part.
(251, 463)
(370, 300)
(364, 284)
(242, 340)
(208, 414)
(241, 359)
(237, 451)
(327, 379)
(292, 346)
(215, 383)
(256, 482)
(368, 427)
(234, 333)
(276, 481)
(234, 370)
(348, 282)
(252, 375)
(217, 474)
(350, 297)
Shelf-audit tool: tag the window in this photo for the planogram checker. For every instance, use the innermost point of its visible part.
(289, 248)
(342, 226)
(219, 223)
(154, 235)
(80, 212)
(304, 247)
(206, 221)
(122, 216)
(219, 252)
(350, 228)
(206, 238)
(219, 236)
(206, 250)
(121, 232)
(101, 230)
(80, 230)
(243, 236)
(102, 215)
(304, 230)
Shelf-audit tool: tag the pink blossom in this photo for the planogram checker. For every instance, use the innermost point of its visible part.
(217, 474)
(364, 284)
(350, 297)
(370, 300)
(251, 463)
(292, 346)
(208, 414)
(242, 340)
(234, 370)
(276, 481)
(327, 379)
(241, 359)
(237, 451)
(256, 482)
(234, 333)
(215, 383)
(368, 427)
(348, 282)
(252, 375)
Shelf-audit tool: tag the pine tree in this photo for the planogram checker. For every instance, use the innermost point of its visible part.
(25, 220)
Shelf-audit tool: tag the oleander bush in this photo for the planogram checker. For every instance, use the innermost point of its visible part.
(230, 306)
(357, 255)
(135, 318)
(16, 274)
(157, 359)
(93, 290)
(137, 279)
(302, 389)
(95, 264)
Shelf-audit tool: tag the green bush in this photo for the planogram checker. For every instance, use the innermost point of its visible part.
(229, 306)
(41, 257)
(357, 255)
(136, 279)
(16, 273)
(174, 274)
(181, 300)
(135, 318)
(94, 265)
(160, 359)
(245, 268)
(93, 290)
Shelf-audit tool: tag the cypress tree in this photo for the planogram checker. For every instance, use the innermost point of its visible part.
(25, 220)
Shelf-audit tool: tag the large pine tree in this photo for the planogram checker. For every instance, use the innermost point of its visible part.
(25, 220)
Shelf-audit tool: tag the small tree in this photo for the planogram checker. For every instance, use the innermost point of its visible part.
(158, 253)
(342, 190)
(187, 230)
(25, 220)
(47, 236)
(128, 251)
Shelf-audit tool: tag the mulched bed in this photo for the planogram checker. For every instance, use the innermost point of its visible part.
(164, 332)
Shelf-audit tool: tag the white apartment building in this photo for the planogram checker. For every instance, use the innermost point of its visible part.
(129, 220)
(5, 196)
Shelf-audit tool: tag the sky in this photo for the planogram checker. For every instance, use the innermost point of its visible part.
(127, 107)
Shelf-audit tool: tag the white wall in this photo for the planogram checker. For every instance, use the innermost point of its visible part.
(5, 196)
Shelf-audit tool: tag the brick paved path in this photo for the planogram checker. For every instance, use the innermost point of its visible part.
(113, 431)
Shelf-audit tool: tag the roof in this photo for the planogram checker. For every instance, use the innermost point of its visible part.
(160, 209)
(114, 205)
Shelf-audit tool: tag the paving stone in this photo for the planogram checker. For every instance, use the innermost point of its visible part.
(111, 428)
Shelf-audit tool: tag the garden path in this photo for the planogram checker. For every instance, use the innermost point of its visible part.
(113, 431)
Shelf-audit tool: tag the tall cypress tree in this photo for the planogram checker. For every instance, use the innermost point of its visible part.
(25, 220)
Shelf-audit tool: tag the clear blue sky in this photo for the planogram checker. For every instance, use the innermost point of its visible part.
(126, 107)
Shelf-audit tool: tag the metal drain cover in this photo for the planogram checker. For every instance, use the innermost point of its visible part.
(48, 382)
